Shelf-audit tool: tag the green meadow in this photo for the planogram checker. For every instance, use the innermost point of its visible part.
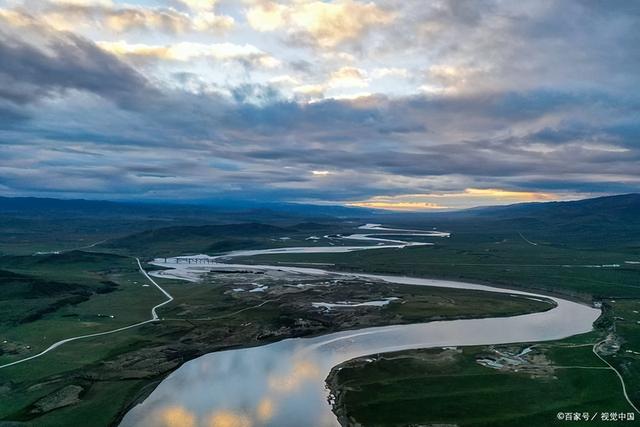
(431, 387)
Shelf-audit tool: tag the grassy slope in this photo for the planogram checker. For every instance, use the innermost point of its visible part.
(81, 293)
(414, 389)
(625, 320)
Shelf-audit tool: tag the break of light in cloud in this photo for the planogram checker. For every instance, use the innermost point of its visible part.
(468, 198)
(393, 104)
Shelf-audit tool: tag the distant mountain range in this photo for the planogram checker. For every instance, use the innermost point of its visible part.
(604, 221)
(240, 210)
(595, 223)
(623, 205)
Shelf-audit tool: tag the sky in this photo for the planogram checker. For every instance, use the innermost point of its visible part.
(395, 104)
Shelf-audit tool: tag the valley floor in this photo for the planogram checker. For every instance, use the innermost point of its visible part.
(50, 297)
(516, 385)
(93, 380)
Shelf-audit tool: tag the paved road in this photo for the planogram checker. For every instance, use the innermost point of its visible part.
(527, 240)
(154, 318)
(70, 249)
(624, 388)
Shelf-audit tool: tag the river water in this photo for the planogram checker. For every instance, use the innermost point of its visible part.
(282, 384)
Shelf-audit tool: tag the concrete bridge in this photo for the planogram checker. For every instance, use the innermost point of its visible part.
(187, 260)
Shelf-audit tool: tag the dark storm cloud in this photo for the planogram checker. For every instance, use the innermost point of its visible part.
(274, 148)
(39, 62)
(539, 96)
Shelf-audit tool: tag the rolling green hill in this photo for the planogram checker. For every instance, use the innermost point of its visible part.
(611, 222)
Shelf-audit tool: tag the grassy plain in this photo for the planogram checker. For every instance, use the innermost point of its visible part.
(498, 258)
(94, 380)
(449, 387)
(49, 297)
(623, 319)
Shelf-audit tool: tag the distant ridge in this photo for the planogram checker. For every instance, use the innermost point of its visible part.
(591, 223)
(254, 209)
(625, 204)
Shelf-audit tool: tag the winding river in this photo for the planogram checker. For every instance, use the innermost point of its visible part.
(282, 384)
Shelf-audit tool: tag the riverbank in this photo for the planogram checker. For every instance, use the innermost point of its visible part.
(463, 385)
(201, 320)
(244, 309)
(206, 376)
(475, 386)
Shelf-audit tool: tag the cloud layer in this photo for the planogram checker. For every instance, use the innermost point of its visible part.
(397, 104)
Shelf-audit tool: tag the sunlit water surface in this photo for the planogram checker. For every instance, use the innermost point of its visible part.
(283, 384)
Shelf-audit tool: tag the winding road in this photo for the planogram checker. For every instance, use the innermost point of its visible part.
(610, 366)
(154, 318)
